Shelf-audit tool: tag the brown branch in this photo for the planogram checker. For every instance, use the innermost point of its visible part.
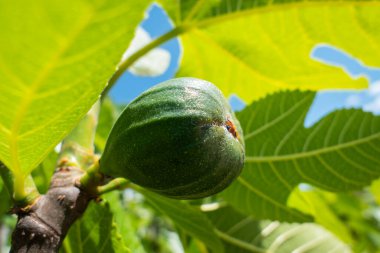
(45, 224)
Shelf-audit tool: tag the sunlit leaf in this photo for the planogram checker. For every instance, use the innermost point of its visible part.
(55, 59)
(339, 153)
(255, 47)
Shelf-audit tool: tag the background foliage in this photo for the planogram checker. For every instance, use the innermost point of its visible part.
(302, 189)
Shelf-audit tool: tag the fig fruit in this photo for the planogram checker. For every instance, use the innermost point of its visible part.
(179, 139)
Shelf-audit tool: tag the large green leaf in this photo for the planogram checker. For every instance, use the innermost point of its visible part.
(255, 47)
(242, 234)
(339, 153)
(187, 218)
(96, 231)
(55, 59)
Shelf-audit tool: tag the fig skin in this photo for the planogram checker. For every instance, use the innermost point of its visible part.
(179, 139)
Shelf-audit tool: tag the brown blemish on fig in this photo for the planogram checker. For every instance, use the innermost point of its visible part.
(231, 128)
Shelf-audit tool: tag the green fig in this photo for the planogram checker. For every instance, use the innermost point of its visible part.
(179, 139)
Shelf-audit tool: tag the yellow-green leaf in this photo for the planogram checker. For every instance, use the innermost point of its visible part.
(55, 59)
(252, 48)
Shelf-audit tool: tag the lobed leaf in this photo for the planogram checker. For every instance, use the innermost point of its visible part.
(263, 46)
(339, 153)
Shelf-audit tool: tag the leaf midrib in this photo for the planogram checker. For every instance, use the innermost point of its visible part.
(316, 152)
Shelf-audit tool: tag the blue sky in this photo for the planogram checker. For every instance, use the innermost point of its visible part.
(129, 86)
(327, 101)
(156, 23)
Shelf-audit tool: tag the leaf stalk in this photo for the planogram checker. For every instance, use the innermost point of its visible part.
(142, 51)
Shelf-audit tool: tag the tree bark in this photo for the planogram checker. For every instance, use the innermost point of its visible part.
(45, 224)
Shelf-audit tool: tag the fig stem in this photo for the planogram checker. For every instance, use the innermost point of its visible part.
(115, 184)
(91, 179)
(31, 194)
(29, 190)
